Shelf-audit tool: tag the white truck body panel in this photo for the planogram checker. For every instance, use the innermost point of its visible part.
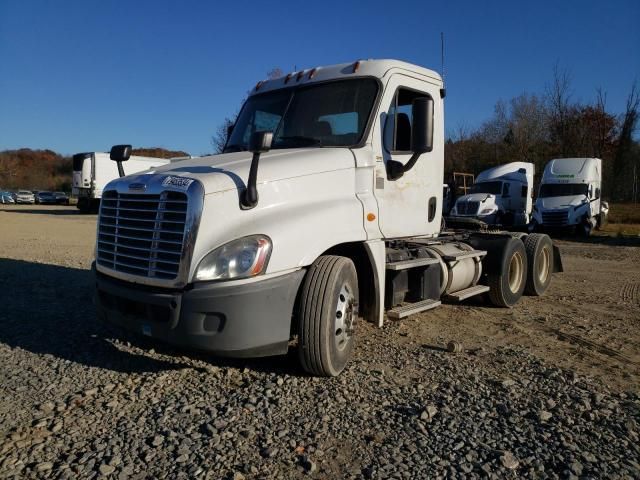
(512, 197)
(570, 193)
(98, 170)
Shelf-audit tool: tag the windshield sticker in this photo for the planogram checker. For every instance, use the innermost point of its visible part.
(177, 182)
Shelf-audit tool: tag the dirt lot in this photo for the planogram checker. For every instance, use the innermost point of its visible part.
(80, 399)
(588, 321)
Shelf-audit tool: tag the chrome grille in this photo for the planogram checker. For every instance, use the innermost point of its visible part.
(142, 234)
(467, 208)
(555, 218)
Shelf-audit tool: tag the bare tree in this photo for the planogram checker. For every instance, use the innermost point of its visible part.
(558, 97)
(626, 164)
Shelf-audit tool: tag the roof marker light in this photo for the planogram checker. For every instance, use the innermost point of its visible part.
(300, 75)
(356, 66)
(288, 77)
(312, 72)
(259, 84)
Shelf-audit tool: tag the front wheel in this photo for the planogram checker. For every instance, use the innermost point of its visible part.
(327, 314)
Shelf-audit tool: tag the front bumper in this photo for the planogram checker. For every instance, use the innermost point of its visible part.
(236, 320)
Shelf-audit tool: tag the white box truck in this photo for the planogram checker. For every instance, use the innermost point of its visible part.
(325, 207)
(501, 195)
(93, 170)
(569, 198)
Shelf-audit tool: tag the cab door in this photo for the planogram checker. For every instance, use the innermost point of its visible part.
(412, 204)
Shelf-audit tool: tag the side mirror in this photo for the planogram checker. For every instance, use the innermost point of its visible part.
(421, 137)
(120, 153)
(260, 142)
(422, 128)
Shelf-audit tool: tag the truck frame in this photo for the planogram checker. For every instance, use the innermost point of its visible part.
(325, 207)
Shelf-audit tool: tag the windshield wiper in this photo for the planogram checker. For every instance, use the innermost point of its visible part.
(300, 140)
(234, 148)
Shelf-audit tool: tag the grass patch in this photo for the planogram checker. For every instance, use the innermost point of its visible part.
(621, 229)
(627, 213)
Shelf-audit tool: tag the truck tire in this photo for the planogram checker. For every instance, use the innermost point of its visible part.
(539, 250)
(83, 205)
(507, 285)
(327, 312)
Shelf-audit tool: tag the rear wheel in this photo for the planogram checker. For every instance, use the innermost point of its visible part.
(327, 314)
(507, 285)
(540, 258)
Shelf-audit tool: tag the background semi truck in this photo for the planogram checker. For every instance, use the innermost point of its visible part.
(325, 207)
(570, 196)
(501, 195)
(93, 170)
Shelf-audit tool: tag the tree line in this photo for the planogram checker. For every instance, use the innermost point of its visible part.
(29, 169)
(536, 128)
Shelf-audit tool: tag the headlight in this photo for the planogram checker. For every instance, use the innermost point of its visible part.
(242, 258)
(487, 211)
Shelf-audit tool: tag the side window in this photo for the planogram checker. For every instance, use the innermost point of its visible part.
(397, 128)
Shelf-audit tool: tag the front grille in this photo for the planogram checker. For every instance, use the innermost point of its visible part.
(555, 219)
(142, 234)
(467, 208)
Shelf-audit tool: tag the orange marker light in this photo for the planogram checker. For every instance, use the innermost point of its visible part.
(312, 73)
(259, 84)
(371, 217)
(288, 77)
(356, 66)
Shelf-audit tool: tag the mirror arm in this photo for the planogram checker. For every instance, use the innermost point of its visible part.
(120, 169)
(396, 169)
(249, 197)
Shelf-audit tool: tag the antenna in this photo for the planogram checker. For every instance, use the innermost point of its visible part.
(443, 90)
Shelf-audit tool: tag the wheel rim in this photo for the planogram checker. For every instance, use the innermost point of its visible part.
(344, 318)
(515, 272)
(543, 264)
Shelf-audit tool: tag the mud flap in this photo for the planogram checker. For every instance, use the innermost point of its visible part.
(557, 260)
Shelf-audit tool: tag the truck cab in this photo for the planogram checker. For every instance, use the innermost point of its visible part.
(570, 196)
(501, 195)
(324, 207)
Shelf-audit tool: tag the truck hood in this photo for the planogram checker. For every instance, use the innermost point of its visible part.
(230, 171)
(475, 197)
(558, 203)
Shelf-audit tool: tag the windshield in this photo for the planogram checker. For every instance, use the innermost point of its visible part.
(563, 189)
(332, 114)
(487, 187)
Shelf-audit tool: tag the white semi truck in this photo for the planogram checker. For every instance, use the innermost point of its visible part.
(325, 207)
(93, 170)
(570, 196)
(501, 195)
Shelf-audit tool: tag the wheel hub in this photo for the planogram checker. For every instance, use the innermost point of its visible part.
(344, 317)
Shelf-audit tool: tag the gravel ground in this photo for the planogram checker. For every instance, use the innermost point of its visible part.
(546, 390)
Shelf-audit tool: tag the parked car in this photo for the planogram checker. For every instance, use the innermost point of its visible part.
(45, 198)
(6, 197)
(25, 196)
(61, 198)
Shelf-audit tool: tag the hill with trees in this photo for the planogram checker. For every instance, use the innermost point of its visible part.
(48, 170)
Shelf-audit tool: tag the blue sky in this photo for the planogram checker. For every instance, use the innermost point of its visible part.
(83, 75)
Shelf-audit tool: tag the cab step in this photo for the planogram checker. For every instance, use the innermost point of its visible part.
(405, 310)
(464, 254)
(415, 262)
(467, 293)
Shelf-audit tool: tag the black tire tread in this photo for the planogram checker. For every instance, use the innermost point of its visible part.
(530, 245)
(313, 299)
